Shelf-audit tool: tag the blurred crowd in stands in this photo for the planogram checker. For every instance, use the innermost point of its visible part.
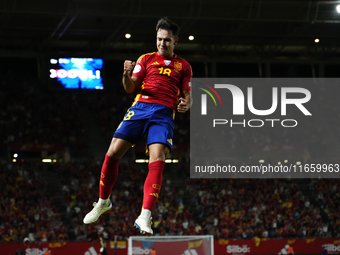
(269, 208)
(30, 114)
(224, 208)
(26, 211)
(81, 190)
(327, 193)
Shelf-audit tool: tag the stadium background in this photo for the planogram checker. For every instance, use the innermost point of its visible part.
(47, 201)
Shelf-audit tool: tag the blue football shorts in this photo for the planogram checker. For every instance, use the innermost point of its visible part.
(154, 120)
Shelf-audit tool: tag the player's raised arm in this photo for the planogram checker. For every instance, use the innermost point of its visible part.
(130, 84)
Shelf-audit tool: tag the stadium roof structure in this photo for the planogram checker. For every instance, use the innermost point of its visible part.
(222, 28)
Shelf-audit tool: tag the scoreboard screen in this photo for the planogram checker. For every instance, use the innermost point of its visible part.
(76, 73)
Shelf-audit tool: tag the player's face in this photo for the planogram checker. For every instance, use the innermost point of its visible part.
(166, 42)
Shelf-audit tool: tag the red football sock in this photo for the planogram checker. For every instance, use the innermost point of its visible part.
(153, 184)
(108, 176)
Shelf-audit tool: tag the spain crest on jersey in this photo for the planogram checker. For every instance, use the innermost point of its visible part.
(178, 66)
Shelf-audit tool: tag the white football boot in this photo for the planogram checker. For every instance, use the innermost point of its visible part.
(95, 213)
(144, 225)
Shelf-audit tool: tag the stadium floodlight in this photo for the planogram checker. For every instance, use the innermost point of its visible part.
(181, 245)
(141, 161)
(338, 8)
(147, 161)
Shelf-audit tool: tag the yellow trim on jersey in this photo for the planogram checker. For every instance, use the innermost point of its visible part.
(139, 94)
(140, 58)
(136, 99)
(173, 113)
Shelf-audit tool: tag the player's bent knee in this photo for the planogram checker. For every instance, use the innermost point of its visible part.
(113, 154)
(158, 152)
(118, 148)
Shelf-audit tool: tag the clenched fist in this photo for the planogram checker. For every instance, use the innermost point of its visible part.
(182, 105)
(128, 66)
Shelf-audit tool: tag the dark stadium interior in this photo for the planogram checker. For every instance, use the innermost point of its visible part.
(251, 29)
(251, 38)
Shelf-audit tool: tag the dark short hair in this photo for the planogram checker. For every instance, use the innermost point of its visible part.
(167, 24)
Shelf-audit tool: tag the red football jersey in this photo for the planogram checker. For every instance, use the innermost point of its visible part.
(162, 78)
